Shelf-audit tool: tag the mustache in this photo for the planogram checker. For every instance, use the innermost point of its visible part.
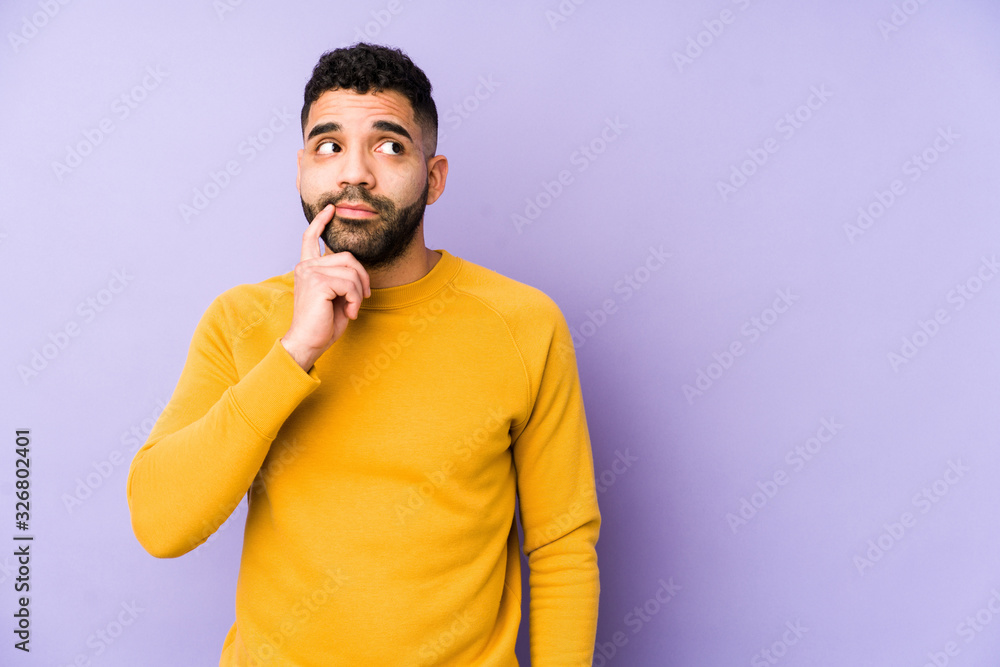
(382, 205)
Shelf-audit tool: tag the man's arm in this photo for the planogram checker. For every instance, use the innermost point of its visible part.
(559, 513)
(209, 442)
(207, 446)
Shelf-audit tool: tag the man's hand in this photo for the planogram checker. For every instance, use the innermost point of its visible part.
(329, 289)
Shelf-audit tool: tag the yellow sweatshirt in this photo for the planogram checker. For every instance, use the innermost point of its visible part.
(380, 528)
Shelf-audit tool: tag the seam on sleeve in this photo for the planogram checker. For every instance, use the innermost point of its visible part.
(244, 415)
(517, 348)
(244, 332)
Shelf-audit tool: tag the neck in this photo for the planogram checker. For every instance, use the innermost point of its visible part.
(412, 265)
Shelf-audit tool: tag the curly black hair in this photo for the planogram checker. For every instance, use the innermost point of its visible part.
(367, 68)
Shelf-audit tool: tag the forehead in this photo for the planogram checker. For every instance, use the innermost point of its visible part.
(347, 107)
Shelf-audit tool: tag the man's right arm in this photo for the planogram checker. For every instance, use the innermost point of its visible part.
(207, 446)
(211, 439)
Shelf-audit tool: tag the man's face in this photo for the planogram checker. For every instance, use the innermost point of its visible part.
(365, 151)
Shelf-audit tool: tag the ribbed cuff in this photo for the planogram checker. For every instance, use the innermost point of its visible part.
(272, 390)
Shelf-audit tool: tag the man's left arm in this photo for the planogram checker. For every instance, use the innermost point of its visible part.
(558, 506)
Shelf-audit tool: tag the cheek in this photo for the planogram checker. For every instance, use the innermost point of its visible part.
(311, 182)
(406, 190)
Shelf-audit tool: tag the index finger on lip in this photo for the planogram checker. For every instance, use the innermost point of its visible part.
(310, 239)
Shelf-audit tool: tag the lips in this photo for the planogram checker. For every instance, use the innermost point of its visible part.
(354, 209)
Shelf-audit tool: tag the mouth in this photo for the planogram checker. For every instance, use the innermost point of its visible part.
(350, 210)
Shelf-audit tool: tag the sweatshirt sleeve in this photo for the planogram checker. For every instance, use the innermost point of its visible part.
(211, 439)
(559, 512)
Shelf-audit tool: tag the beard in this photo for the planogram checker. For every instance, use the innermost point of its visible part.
(377, 242)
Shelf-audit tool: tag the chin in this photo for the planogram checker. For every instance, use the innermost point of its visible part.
(356, 222)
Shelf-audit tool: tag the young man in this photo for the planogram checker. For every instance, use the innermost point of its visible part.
(381, 406)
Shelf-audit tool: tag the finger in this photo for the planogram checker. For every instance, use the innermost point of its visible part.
(340, 283)
(348, 260)
(310, 238)
(340, 310)
(337, 273)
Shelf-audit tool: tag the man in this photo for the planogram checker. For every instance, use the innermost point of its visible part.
(381, 406)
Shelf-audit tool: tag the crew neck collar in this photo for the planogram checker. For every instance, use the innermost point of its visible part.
(385, 298)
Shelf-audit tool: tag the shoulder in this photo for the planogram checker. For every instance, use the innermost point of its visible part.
(247, 304)
(529, 313)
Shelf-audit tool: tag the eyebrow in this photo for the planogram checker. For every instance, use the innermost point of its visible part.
(323, 128)
(389, 126)
(382, 125)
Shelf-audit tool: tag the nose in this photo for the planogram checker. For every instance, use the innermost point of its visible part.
(356, 168)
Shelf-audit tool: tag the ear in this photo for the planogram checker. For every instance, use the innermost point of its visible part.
(298, 170)
(437, 175)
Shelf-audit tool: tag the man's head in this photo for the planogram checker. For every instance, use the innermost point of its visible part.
(369, 139)
(366, 68)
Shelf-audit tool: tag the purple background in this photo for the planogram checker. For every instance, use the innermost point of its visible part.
(677, 130)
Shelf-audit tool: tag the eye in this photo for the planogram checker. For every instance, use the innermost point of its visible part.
(327, 147)
(394, 148)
